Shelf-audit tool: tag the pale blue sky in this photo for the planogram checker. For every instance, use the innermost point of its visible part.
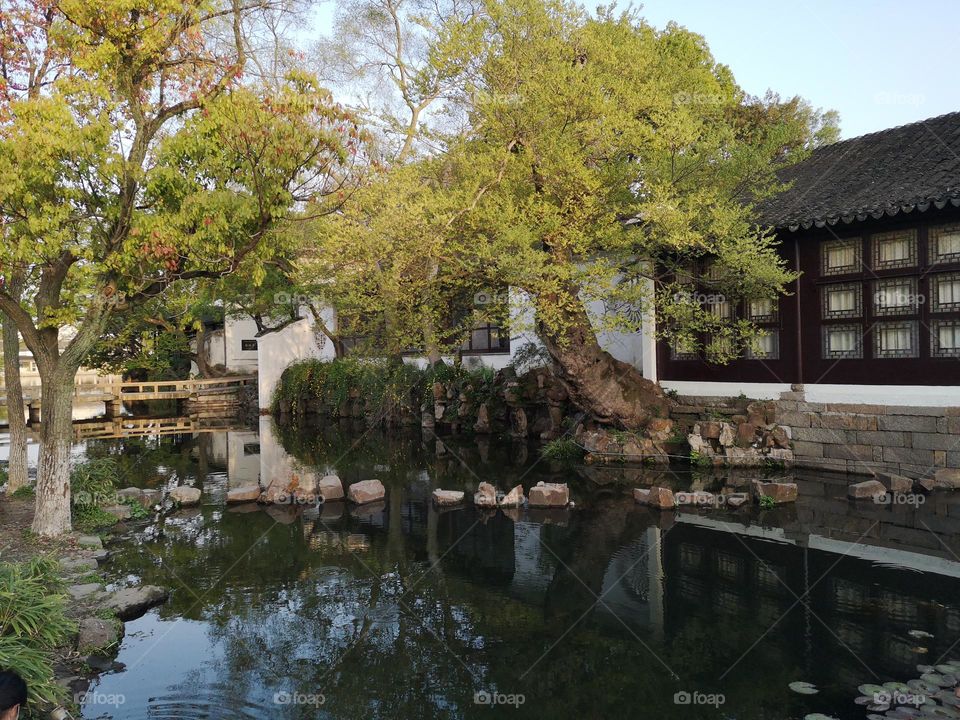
(880, 63)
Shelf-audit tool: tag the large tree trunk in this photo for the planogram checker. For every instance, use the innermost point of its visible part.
(52, 516)
(609, 390)
(17, 466)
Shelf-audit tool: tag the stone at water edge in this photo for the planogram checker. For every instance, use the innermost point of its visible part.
(131, 603)
(549, 495)
(366, 491)
(641, 495)
(486, 496)
(130, 493)
(866, 490)
(97, 635)
(514, 498)
(90, 542)
(895, 483)
(947, 478)
(737, 500)
(781, 492)
(78, 565)
(79, 592)
(446, 498)
(245, 494)
(120, 512)
(660, 498)
(185, 496)
(330, 488)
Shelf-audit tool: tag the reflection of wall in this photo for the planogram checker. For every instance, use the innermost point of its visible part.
(277, 463)
(243, 461)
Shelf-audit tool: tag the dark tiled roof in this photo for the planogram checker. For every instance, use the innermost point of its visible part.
(904, 169)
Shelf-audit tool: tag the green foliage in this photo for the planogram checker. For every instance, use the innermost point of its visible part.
(24, 493)
(562, 450)
(3, 475)
(92, 519)
(767, 502)
(93, 483)
(33, 622)
(699, 460)
(137, 510)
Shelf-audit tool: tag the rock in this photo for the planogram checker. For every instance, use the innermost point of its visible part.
(245, 494)
(866, 489)
(486, 496)
(784, 455)
(736, 500)
(185, 496)
(925, 484)
(781, 492)
(330, 488)
(131, 603)
(482, 425)
(728, 435)
(366, 491)
(660, 428)
(149, 498)
(514, 498)
(947, 478)
(698, 498)
(710, 430)
(549, 495)
(447, 498)
(641, 495)
(518, 423)
(427, 420)
(279, 491)
(660, 498)
(78, 565)
(79, 592)
(780, 437)
(120, 512)
(91, 542)
(97, 635)
(130, 493)
(101, 556)
(895, 483)
(746, 434)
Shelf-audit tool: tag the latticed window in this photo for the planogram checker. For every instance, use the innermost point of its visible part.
(894, 249)
(945, 292)
(895, 340)
(842, 341)
(945, 338)
(840, 257)
(683, 348)
(762, 310)
(765, 346)
(944, 244)
(841, 301)
(896, 296)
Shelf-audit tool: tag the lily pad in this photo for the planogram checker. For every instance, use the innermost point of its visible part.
(946, 668)
(919, 634)
(818, 716)
(934, 679)
(803, 688)
(926, 669)
(870, 689)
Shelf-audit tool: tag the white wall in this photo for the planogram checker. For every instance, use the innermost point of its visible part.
(236, 330)
(889, 395)
(278, 350)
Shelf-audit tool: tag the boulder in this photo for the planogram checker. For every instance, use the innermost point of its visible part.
(746, 434)
(660, 428)
(780, 437)
(728, 435)
(149, 498)
(781, 492)
(514, 498)
(279, 491)
(79, 592)
(482, 425)
(947, 478)
(90, 542)
(698, 498)
(131, 603)
(895, 483)
(925, 484)
(186, 496)
(366, 491)
(660, 498)
(642, 495)
(97, 635)
(736, 500)
(130, 493)
(78, 565)
(868, 489)
(447, 498)
(330, 488)
(549, 495)
(486, 496)
(120, 512)
(710, 430)
(245, 494)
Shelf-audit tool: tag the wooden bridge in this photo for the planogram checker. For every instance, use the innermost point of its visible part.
(215, 393)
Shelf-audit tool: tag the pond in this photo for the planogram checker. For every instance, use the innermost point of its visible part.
(610, 610)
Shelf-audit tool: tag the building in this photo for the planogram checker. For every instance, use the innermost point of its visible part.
(873, 226)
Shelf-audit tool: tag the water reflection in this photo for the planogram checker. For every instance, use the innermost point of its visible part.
(401, 611)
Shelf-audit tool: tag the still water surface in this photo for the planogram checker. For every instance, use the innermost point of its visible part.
(607, 611)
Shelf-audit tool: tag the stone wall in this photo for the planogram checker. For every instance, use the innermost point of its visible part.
(866, 439)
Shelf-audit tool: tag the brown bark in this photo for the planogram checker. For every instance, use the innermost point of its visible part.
(609, 390)
(52, 516)
(17, 464)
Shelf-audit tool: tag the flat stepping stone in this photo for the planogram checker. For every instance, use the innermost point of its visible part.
(366, 491)
(246, 494)
(447, 498)
(185, 496)
(90, 542)
(79, 592)
(553, 495)
(97, 635)
(131, 603)
(78, 565)
(330, 488)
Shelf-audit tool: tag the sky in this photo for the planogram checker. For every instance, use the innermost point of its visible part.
(879, 63)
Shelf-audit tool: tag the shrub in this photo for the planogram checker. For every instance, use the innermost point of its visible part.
(22, 493)
(562, 449)
(92, 482)
(33, 621)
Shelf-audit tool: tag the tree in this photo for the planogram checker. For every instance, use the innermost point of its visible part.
(611, 153)
(144, 167)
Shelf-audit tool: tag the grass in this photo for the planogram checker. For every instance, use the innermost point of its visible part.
(24, 493)
(767, 502)
(137, 510)
(562, 450)
(90, 519)
(33, 622)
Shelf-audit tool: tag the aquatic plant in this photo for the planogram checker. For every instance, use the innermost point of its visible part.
(562, 450)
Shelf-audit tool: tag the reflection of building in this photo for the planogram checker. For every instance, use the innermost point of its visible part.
(30, 376)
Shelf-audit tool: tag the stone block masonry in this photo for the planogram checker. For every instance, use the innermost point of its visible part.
(869, 439)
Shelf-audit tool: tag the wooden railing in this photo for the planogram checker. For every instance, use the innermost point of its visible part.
(154, 390)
